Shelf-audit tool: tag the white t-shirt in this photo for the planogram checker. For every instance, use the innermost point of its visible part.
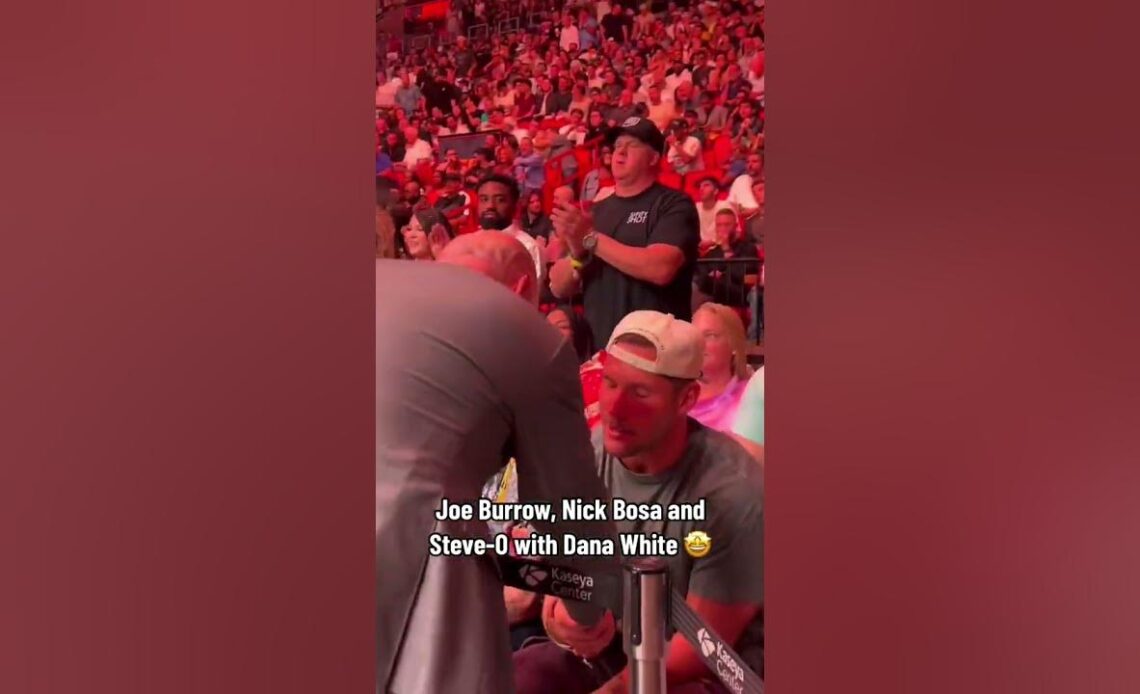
(741, 192)
(386, 93)
(691, 147)
(708, 219)
(417, 152)
(568, 37)
(531, 247)
(460, 129)
(672, 81)
(574, 133)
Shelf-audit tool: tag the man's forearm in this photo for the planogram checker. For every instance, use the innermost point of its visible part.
(656, 265)
(521, 605)
(563, 283)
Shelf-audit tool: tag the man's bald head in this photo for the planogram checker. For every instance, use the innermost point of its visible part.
(498, 256)
(563, 195)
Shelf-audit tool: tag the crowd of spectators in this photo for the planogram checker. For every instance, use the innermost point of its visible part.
(601, 119)
(543, 96)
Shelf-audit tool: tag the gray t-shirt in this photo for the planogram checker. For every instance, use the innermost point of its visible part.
(719, 470)
(714, 468)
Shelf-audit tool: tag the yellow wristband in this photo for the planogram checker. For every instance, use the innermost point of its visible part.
(576, 264)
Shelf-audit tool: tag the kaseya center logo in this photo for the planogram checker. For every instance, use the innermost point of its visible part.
(532, 575)
(708, 646)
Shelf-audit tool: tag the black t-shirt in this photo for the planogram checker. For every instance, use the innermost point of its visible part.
(612, 24)
(537, 226)
(440, 94)
(659, 214)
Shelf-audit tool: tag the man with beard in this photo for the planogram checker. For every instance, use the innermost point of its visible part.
(498, 209)
(411, 199)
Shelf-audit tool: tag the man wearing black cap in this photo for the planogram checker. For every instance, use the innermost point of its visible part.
(635, 250)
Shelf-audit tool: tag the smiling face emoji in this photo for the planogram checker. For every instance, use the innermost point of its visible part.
(697, 544)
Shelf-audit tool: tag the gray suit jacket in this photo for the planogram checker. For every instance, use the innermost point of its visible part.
(467, 374)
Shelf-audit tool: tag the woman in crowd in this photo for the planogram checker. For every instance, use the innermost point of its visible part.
(426, 234)
(533, 220)
(505, 161)
(725, 371)
(600, 177)
(579, 100)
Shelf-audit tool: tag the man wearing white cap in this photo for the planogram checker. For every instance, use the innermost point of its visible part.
(649, 451)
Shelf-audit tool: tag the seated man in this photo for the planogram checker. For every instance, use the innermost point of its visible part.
(726, 283)
(452, 201)
(649, 450)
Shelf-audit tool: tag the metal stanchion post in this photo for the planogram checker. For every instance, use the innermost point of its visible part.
(645, 628)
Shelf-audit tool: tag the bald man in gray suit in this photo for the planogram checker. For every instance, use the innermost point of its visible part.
(468, 374)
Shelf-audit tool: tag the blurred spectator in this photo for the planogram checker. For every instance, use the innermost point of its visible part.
(575, 130)
(741, 194)
(685, 154)
(426, 235)
(748, 427)
(724, 371)
(385, 225)
(708, 205)
(617, 26)
(498, 208)
(600, 176)
(662, 113)
(415, 149)
(726, 283)
(533, 220)
(529, 167)
(408, 96)
(453, 202)
(481, 166)
(451, 164)
(393, 147)
(568, 39)
(596, 125)
(411, 199)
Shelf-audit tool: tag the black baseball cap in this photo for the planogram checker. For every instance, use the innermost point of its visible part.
(641, 128)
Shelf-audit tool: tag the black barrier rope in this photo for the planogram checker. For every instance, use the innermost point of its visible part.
(604, 588)
(715, 651)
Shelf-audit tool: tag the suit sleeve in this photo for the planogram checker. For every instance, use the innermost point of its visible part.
(556, 460)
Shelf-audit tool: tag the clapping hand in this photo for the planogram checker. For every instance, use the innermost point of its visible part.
(571, 223)
(438, 239)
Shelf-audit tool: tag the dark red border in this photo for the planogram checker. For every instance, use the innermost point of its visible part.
(186, 465)
(953, 401)
(185, 405)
